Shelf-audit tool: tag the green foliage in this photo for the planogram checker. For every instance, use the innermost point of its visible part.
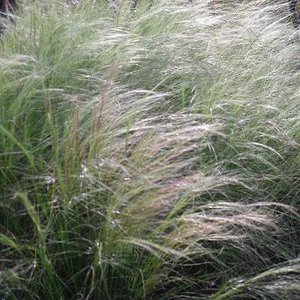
(149, 153)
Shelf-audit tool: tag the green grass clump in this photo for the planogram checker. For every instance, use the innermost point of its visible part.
(149, 153)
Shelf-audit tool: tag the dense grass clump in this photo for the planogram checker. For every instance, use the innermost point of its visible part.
(149, 152)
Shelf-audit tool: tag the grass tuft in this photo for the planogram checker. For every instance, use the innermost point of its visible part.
(149, 151)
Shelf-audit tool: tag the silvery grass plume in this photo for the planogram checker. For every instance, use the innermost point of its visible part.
(279, 282)
(150, 153)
